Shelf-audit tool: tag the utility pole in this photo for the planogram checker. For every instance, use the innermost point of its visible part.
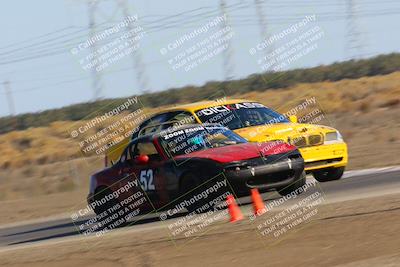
(228, 52)
(96, 76)
(9, 97)
(139, 67)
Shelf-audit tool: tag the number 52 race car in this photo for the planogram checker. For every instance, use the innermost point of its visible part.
(156, 169)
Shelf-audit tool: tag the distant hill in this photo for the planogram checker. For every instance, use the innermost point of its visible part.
(353, 69)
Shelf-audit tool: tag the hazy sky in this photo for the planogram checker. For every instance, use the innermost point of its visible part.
(37, 37)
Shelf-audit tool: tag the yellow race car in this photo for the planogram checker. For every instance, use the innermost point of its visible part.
(322, 147)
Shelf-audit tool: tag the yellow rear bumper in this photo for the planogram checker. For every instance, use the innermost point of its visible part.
(324, 156)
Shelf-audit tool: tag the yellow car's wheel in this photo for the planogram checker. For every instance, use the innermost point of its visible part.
(328, 174)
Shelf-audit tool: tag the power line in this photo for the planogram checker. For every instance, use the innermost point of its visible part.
(239, 23)
(161, 23)
(35, 38)
(163, 19)
(156, 28)
(79, 78)
(82, 29)
(283, 20)
(47, 48)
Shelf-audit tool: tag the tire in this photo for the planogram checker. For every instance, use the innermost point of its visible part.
(99, 195)
(188, 187)
(329, 174)
(292, 187)
(102, 193)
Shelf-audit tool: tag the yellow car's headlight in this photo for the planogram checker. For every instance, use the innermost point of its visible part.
(333, 137)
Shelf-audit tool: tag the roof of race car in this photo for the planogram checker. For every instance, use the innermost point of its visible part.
(203, 104)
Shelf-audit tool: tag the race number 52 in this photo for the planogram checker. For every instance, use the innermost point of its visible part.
(146, 180)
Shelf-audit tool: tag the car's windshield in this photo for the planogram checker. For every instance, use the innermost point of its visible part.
(188, 140)
(240, 115)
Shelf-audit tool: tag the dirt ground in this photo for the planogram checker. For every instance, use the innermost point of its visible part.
(50, 206)
(364, 232)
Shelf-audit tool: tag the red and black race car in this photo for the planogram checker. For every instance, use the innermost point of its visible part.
(192, 164)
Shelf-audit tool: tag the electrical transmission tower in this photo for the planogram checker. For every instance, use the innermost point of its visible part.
(228, 52)
(96, 75)
(354, 44)
(263, 25)
(10, 99)
(139, 67)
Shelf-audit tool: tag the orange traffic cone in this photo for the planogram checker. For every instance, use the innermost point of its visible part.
(258, 203)
(234, 210)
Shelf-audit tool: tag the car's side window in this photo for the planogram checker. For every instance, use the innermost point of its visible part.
(124, 156)
(152, 124)
(146, 148)
(127, 154)
(181, 118)
(161, 122)
(122, 159)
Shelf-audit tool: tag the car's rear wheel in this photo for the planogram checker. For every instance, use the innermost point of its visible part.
(294, 186)
(329, 174)
(100, 196)
(110, 207)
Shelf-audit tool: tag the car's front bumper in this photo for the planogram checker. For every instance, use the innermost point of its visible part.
(265, 177)
(324, 156)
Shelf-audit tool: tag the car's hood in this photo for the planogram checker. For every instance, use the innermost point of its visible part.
(240, 151)
(281, 131)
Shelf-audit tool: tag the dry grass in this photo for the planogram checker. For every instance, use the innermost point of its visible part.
(346, 96)
(37, 161)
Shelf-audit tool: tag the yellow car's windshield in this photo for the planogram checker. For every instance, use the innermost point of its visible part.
(240, 115)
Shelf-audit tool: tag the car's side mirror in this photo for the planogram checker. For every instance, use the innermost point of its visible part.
(142, 159)
(293, 118)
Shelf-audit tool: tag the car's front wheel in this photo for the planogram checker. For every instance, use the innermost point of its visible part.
(189, 187)
(328, 174)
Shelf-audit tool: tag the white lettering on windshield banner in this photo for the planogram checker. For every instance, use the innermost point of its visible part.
(181, 132)
(229, 107)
